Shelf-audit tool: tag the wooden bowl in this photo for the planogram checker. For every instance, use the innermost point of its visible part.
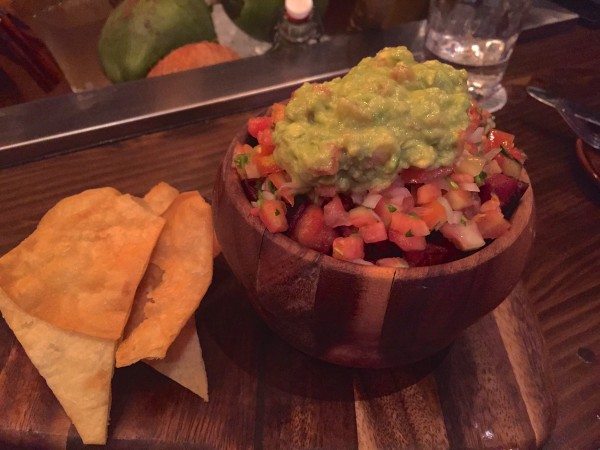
(362, 316)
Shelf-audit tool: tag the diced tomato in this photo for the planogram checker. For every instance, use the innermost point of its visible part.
(384, 210)
(374, 232)
(335, 214)
(278, 179)
(361, 216)
(471, 148)
(256, 124)
(311, 231)
(272, 214)
(265, 140)
(459, 199)
(509, 191)
(266, 165)
(433, 214)
(408, 225)
(406, 243)
(490, 220)
(428, 193)
(415, 175)
(474, 114)
(497, 139)
(277, 112)
(517, 154)
(492, 224)
(398, 263)
(509, 166)
(465, 236)
(348, 248)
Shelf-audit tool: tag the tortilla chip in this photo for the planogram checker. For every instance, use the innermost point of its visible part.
(160, 197)
(77, 368)
(80, 268)
(183, 363)
(177, 278)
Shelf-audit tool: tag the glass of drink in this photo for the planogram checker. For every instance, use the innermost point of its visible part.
(479, 36)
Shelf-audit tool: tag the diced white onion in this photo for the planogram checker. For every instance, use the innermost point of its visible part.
(255, 204)
(455, 217)
(268, 195)
(290, 185)
(252, 170)
(442, 201)
(475, 137)
(371, 200)
(471, 187)
(491, 154)
(358, 198)
(396, 192)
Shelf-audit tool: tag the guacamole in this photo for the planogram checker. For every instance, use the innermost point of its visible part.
(388, 113)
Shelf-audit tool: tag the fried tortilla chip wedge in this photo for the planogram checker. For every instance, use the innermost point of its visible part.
(80, 268)
(160, 197)
(77, 368)
(183, 363)
(178, 275)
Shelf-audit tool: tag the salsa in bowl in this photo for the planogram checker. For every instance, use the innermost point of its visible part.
(363, 276)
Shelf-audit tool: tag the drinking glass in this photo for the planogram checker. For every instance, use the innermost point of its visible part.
(479, 36)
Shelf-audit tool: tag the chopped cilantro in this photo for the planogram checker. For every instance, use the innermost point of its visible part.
(271, 187)
(453, 184)
(463, 221)
(277, 212)
(409, 233)
(413, 215)
(480, 178)
(392, 208)
(241, 160)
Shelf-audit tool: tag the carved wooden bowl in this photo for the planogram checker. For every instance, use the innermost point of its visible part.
(355, 315)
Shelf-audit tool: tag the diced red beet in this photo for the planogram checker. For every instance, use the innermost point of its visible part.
(380, 250)
(345, 231)
(310, 230)
(251, 187)
(294, 212)
(509, 191)
(432, 255)
(439, 250)
(415, 175)
(346, 201)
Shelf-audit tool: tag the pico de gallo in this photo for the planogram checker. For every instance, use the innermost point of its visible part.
(425, 217)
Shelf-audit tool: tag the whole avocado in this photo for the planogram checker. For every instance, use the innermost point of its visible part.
(138, 33)
(259, 17)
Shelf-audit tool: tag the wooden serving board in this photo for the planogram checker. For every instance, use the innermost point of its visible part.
(488, 390)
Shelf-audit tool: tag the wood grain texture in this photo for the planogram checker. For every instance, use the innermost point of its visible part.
(265, 394)
(561, 279)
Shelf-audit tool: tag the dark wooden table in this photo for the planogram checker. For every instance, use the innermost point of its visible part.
(563, 277)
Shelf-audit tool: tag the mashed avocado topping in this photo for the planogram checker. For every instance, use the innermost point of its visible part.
(388, 113)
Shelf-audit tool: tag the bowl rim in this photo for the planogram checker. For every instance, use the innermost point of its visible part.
(519, 222)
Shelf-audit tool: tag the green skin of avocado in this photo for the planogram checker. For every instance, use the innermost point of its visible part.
(259, 17)
(138, 33)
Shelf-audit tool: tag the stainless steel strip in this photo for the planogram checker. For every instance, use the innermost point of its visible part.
(49, 126)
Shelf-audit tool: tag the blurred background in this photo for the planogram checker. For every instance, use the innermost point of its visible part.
(51, 47)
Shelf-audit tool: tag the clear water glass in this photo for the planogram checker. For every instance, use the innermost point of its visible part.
(479, 36)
